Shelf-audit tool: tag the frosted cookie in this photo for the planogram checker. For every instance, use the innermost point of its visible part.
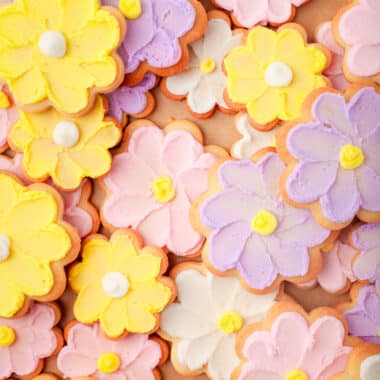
(26, 341)
(35, 245)
(155, 177)
(271, 75)
(251, 231)
(356, 28)
(136, 101)
(204, 322)
(332, 157)
(60, 53)
(250, 13)
(334, 72)
(203, 81)
(157, 39)
(8, 116)
(89, 354)
(67, 149)
(119, 283)
(252, 140)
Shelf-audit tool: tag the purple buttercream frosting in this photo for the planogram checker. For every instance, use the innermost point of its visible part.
(154, 36)
(318, 175)
(364, 319)
(247, 189)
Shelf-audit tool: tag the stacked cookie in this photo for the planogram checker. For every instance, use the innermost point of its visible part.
(170, 246)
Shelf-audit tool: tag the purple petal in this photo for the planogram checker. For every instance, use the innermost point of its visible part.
(227, 244)
(359, 324)
(367, 236)
(364, 267)
(369, 188)
(371, 150)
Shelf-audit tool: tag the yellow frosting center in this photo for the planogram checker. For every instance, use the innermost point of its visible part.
(4, 101)
(230, 322)
(108, 362)
(208, 66)
(130, 8)
(351, 157)
(264, 223)
(296, 374)
(7, 336)
(163, 189)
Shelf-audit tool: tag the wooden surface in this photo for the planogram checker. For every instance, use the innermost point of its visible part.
(219, 130)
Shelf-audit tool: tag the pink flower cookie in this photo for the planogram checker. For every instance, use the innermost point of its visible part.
(8, 117)
(357, 29)
(155, 177)
(334, 72)
(250, 13)
(291, 344)
(26, 341)
(90, 354)
(78, 211)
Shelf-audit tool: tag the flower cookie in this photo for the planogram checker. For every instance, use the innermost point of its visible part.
(8, 116)
(89, 354)
(332, 156)
(250, 13)
(157, 40)
(293, 345)
(363, 313)
(273, 73)
(59, 53)
(35, 245)
(252, 140)
(119, 283)
(203, 324)
(334, 72)
(203, 81)
(67, 149)
(154, 179)
(252, 231)
(356, 28)
(135, 100)
(26, 341)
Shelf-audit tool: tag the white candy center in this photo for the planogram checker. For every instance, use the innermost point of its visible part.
(52, 44)
(115, 284)
(278, 74)
(4, 247)
(66, 134)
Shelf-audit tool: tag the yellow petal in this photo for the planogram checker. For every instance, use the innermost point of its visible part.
(242, 63)
(11, 300)
(10, 191)
(244, 90)
(141, 268)
(48, 13)
(114, 319)
(67, 174)
(107, 136)
(139, 318)
(21, 133)
(15, 61)
(262, 42)
(104, 71)
(77, 13)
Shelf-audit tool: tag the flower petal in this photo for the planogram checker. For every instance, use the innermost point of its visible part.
(77, 14)
(369, 188)
(359, 324)
(140, 268)
(47, 12)
(11, 300)
(5, 363)
(367, 236)
(15, 61)
(113, 319)
(279, 11)
(361, 59)
(364, 267)
(371, 152)
(243, 62)
(262, 42)
(184, 82)
(139, 318)
(201, 98)
(67, 174)
(266, 108)
(75, 364)
(10, 191)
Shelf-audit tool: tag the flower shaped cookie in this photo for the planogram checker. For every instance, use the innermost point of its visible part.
(26, 341)
(249, 13)
(153, 182)
(292, 345)
(273, 73)
(204, 323)
(334, 163)
(203, 82)
(32, 254)
(252, 231)
(90, 354)
(357, 28)
(119, 282)
(67, 149)
(59, 53)
(8, 116)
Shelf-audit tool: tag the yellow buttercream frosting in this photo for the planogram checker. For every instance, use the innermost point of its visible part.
(109, 362)
(130, 8)
(230, 322)
(264, 223)
(296, 374)
(351, 157)
(208, 66)
(7, 336)
(163, 189)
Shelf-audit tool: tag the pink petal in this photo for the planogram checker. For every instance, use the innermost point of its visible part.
(271, 168)
(129, 348)
(250, 13)
(5, 363)
(279, 11)
(83, 339)
(80, 219)
(23, 360)
(75, 364)
(338, 364)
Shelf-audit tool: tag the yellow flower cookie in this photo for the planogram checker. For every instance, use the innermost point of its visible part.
(59, 52)
(35, 244)
(273, 73)
(65, 148)
(119, 282)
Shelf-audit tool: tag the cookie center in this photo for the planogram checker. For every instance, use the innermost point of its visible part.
(5, 245)
(66, 134)
(296, 374)
(208, 66)
(108, 362)
(163, 189)
(130, 8)
(230, 322)
(7, 336)
(115, 284)
(351, 157)
(52, 44)
(264, 223)
(278, 74)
